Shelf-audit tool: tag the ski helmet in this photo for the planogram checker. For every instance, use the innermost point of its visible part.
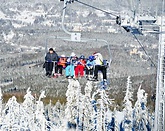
(82, 57)
(91, 57)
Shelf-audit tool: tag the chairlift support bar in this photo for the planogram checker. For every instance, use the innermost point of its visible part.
(74, 33)
(63, 17)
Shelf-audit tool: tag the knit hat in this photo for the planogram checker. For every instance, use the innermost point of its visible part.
(51, 49)
(73, 54)
(62, 55)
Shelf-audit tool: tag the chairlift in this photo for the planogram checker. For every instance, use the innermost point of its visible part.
(129, 24)
(134, 22)
(76, 36)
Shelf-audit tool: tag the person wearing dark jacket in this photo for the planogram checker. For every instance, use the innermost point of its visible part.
(51, 58)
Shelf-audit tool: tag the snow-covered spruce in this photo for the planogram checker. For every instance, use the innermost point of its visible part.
(88, 111)
(136, 118)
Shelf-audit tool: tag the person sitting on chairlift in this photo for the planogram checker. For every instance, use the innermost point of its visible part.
(80, 66)
(90, 67)
(70, 65)
(99, 66)
(51, 59)
(61, 64)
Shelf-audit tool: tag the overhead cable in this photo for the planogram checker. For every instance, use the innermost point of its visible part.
(95, 7)
(144, 49)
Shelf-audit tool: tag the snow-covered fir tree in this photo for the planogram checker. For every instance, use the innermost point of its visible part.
(126, 124)
(88, 111)
(14, 116)
(29, 107)
(101, 103)
(140, 113)
(86, 108)
(72, 105)
(39, 113)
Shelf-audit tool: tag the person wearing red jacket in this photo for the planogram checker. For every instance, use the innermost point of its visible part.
(80, 66)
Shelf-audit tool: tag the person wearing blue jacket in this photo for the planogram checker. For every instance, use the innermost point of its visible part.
(90, 67)
(70, 65)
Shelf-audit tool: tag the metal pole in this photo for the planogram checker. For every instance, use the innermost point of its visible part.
(159, 104)
(63, 18)
(46, 46)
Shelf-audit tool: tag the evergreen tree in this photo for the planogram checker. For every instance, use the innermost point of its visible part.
(126, 124)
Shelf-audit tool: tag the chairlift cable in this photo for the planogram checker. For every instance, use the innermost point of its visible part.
(144, 49)
(132, 33)
(95, 7)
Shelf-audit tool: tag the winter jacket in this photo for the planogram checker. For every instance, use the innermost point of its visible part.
(90, 64)
(98, 59)
(62, 61)
(51, 57)
(72, 60)
(81, 62)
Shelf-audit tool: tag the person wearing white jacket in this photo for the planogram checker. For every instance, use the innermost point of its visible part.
(99, 66)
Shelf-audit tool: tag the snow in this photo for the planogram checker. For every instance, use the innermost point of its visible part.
(5, 84)
(100, 13)
(85, 13)
(2, 15)
(25, 16)
(48, 23)
(8, 37)
(18, 25)
(119, 116)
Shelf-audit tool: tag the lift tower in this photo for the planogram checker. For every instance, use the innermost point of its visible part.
(159, 124)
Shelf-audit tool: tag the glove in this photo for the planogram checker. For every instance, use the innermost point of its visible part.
(89, 65)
